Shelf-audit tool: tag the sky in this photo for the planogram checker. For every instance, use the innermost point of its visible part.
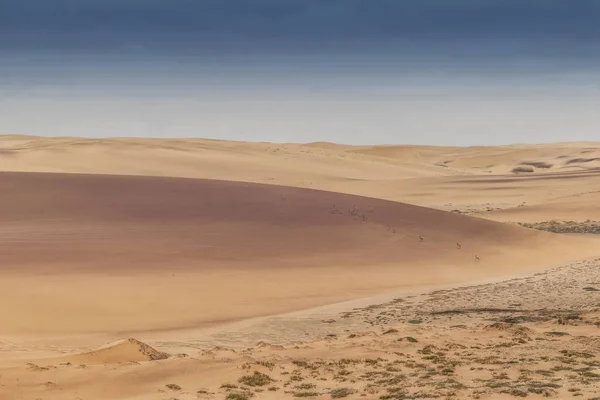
(460, 72)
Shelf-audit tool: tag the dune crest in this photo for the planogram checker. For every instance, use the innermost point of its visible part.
(122, 351)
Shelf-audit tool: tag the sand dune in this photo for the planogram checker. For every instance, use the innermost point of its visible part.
(229, 249)
(70, 219)
(465, 178)
(122, 351)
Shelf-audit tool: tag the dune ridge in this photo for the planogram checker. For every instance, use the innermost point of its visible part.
(448, 178)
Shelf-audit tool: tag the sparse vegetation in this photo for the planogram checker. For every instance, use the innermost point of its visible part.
(581, 160)
(306, 394)
(173, 386)
(341, 393)
(256, 379)
(434, 369)
(554, 333)
(306, 386)
(267, 364)
(228, 386)
(554, 226)
(518, 170)
(239, 396)
(591, 289)
(299, 363)
(537, 164)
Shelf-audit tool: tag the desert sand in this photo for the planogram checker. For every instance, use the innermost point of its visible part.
(194, 268)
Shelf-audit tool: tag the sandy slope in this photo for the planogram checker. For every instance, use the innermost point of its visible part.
(534, 337)
(100, 253)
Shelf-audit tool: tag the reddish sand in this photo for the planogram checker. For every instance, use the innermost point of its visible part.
(94, 223)
(94, 253)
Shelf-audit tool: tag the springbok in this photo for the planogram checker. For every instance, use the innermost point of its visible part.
(476, 258)
(421, 238)
(458, 246)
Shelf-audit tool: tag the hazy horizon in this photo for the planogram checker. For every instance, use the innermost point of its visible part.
(358, 72)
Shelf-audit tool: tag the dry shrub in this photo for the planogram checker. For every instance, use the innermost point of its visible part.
(517, 170)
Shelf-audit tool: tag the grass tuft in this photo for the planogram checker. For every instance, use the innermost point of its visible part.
(256, 379)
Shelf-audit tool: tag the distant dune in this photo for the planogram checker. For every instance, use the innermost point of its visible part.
(449, 178)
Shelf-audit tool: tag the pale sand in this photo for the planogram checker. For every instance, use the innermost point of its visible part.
(474, 178)
(187, 264)
(533, 336)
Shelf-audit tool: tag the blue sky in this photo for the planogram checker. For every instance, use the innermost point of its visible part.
(463, 72)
